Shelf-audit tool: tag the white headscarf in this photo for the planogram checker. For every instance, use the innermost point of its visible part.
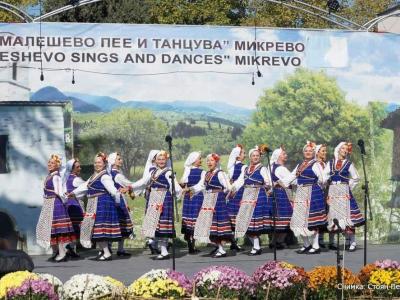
(337, 149)
(111, 161)
(317, 148)
(192, 157)
(275, 155)
(232, 157)
(149, 162)
(254, 149)
(66, 171)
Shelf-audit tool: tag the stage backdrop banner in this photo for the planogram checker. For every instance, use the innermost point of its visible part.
(210, 87)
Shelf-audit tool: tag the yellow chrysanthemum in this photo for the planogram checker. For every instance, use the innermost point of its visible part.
(286, 265)
(156, 288)
(13, 280)
(384, 277)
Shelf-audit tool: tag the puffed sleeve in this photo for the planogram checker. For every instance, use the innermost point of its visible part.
(200, 186)
(178, 188)
(239, 182)
(122, 180)
(185, 175)
(108, 183)
(291, 178)
(320, 173)
(266, 175)
(354, 177)
(327, 171)
(282, 172)
(81, 190)
(223, 179)
(77, 182)
(58, 187)
(141, 184)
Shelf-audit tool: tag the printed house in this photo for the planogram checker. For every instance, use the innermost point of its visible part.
(29, 133)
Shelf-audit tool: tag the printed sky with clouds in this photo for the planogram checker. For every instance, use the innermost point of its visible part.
(366, 65)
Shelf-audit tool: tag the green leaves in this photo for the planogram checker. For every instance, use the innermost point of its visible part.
(307, 105)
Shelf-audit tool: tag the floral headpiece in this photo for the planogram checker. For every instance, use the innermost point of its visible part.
(214, 156)
(56, 158)
(163, 153)
(103, 156)
(310, 144)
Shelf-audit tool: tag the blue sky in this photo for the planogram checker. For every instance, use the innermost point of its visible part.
(366, 65)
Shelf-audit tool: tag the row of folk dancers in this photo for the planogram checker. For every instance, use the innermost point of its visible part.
(218, 207)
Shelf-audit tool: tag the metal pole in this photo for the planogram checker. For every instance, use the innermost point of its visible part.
(366, 204)
(168, 139)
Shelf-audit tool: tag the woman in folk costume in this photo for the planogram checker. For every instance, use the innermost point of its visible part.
(158, 221)
(213, 223)
(255, 213)
(54, 227)
(309, 211)
(120, 181)
(192, 175)
(148, 168)
(75, 207)
(101, 222)
(283, 196)
(320, 156)
(343, 177)
(235, 167)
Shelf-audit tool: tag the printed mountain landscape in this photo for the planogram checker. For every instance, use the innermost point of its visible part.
(85, 103)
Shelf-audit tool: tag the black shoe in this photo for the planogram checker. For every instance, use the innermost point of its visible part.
(103, 258)
(213, 251)
(313, 251)
(65, 258)
(236, 247)
(123, 253)
(162, 257)
(332, 247)
(258, 252)
(303, 250)
(72, 254)
(51, 258)
(219, 254)
(322, 245)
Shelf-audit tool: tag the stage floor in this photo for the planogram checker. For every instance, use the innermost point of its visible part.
(141, 261)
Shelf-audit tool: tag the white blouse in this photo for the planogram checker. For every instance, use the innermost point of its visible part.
(108, 183)
(222, 178)
(354, 176)
(292, 177)
(57, 185)
(282, 172)
(264, 172)
(142, 183)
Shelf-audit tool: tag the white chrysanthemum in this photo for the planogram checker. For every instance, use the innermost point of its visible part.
(86, 287)
(155, 274)
(210, 277)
